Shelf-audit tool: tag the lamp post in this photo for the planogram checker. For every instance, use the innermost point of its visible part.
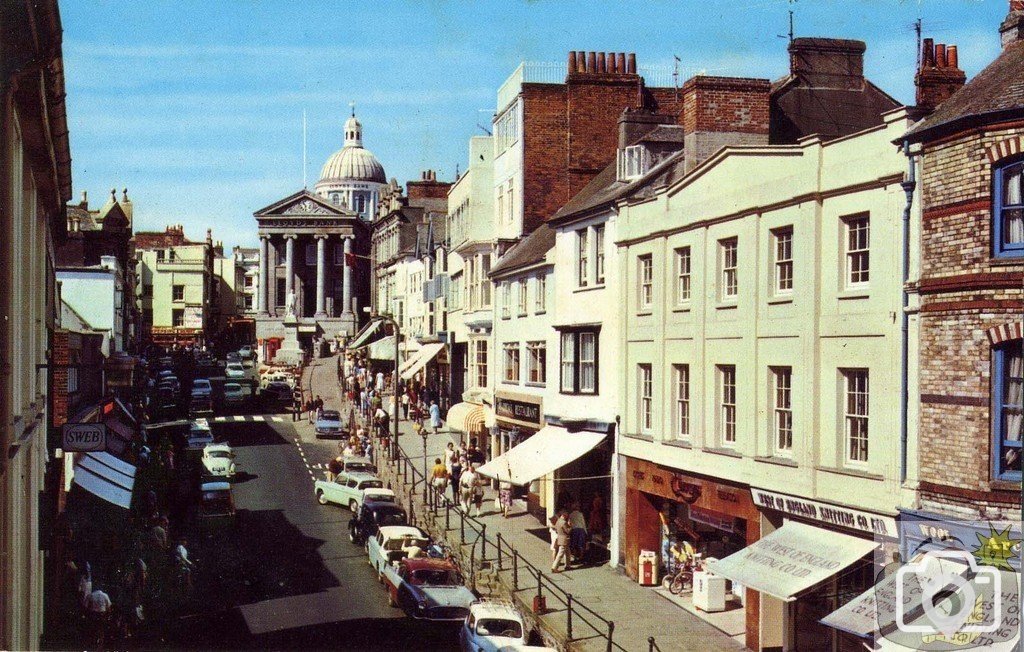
(394, 382)
(423, 433)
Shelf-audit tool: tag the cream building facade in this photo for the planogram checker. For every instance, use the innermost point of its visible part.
(176, 287)
(763, 298)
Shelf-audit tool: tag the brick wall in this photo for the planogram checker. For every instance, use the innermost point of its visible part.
(964, 293)
(545, 151)
(59, 388)
(725, 104)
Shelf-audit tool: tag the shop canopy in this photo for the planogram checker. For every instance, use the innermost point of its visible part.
(421, 358)
(382, 349)
(469, 417)
(106, 477)
(552, 447)
(373, 330)
(792, 559)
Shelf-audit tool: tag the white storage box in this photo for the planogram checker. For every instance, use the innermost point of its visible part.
(708, 592)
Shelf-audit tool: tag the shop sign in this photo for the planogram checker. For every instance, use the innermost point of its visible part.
(995, 543)
(519, 410)
(825, 513)
(84, 437)
(713, 519)
(192, 317)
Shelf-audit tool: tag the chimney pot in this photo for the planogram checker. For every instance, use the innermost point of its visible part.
(611, 62)
(1016, 5)
(591, 62)
(581, 61)
(940, 55)
(572, 62)
(631, 63)
(620, 64)
(951, 56)
(928, 53)
(602, 65)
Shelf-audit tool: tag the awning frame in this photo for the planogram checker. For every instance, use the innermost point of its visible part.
(544, 452)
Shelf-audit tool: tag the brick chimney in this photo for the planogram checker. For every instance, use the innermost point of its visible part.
(1012, 29)
(721, 111)
(940, 75)
(595, 66)
(428, 187)
(828, 62)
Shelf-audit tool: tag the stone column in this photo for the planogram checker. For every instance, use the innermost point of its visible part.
(347, 279)
(263, 290)
(321, 273)
(289, 271)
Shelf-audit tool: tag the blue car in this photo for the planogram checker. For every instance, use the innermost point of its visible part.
(329, 424)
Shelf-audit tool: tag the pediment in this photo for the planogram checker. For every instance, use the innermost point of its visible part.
(304, 204)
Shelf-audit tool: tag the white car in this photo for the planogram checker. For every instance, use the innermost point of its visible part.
(277, 377)
(219, 460)
(233, 394)
(392, 543)
(234, 370)
(201, 387)
(494, 625)
(346, 489)
(199, 434)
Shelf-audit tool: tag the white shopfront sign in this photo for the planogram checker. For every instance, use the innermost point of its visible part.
(825, 513)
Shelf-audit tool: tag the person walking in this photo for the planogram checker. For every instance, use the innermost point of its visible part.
(456, 474)
(467, 488)
(505, 497)
(577, 533)
(309, 410)
(439, 476)
(478, 493)
(435, 417)
(405, 406)
(97, 612)
(561, 543)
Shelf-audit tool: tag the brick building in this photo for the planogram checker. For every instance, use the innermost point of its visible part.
(968, 154)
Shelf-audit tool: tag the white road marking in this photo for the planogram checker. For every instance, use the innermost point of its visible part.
(277, 419)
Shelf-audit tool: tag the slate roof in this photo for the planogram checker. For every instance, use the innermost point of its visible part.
(799, 109)
(528, 251)
(996, 91)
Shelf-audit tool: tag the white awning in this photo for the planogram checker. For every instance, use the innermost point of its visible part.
(552, 447)
(792, 559)
(106, 477)
(423, 356)
(382, 349)
(366, 335)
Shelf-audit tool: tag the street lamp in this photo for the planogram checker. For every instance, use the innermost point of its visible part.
(423, 433)
(394, 382)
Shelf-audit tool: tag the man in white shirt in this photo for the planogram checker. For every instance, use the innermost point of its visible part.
(467, 487)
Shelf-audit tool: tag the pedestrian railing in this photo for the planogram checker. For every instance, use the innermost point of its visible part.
(497, 553)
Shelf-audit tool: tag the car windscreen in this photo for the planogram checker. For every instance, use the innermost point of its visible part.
(359, 466)
(331, 415)
(391, 518)
(436, 577)
(219, 455)
(499, 627)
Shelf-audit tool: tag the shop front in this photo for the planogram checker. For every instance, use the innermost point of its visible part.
(811, 559)
(517, 417)
(667, 509)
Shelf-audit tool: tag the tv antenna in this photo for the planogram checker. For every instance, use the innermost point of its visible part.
(790, 35)
(304, 186)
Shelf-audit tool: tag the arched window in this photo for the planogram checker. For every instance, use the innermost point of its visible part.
(1008, 210)
(1008, 404)
(335, 198)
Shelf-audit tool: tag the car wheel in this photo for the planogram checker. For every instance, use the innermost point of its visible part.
(321, 498)
(353, 505)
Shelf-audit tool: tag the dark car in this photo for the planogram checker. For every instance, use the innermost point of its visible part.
(276, 395)
(372, 515)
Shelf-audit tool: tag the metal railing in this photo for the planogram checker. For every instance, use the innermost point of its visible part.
(496, 552)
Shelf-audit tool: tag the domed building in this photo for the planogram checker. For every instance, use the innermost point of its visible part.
(352, 177)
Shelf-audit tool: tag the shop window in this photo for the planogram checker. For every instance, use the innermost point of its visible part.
(783, 260)
(782, 410)
(511, 362)
(858, 251)
(537, 362)
(1009, 409)
(579, 362)
(681, 390)
(682, 275)
(728, 259)
(727, 404)
(1008, 210)
(645, 397)
(855, 415)
(645, 279)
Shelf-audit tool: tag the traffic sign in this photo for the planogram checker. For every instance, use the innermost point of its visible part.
(84, 437)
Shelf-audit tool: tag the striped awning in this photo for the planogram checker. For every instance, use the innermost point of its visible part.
(467, 417)
(107, 477)
(422, 357)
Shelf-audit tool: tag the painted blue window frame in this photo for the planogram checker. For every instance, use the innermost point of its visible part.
(1001, 356)
(999, 249)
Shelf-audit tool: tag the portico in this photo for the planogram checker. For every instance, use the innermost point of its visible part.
(310, 267)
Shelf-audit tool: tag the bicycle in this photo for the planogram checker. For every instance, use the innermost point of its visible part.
(680, 579)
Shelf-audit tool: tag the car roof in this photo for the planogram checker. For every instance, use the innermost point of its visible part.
(200, 424)
(402, 531)
(216, 486)
(359, 475)
(217, 447)
(495, 609)
(378, 492)
(201, 380)
(427, 563)
(232, 385)
(358, 460)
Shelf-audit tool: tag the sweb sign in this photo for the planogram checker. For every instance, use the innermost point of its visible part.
(84, 437)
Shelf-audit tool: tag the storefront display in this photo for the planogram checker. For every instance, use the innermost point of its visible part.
(517, 418)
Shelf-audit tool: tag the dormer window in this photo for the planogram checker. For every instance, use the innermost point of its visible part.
(634, 161)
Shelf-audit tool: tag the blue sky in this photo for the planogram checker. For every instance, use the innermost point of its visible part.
(197, 107)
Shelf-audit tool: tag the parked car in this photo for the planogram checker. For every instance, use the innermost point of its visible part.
(234, 370)
(216, 501)
(493, 625)
(277, 377)
(201, 387)
(275, 396)
(200, 405)
(234, 394)
(165, 398)
(246, 352)
(380, 495)
(329, 424)
(199, 434)
(219, 460)
(364, 525)
(392, 543)
(428, 589)
(346, 489)
(233, 357)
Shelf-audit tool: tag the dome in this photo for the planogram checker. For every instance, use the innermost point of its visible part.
(353, 162)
